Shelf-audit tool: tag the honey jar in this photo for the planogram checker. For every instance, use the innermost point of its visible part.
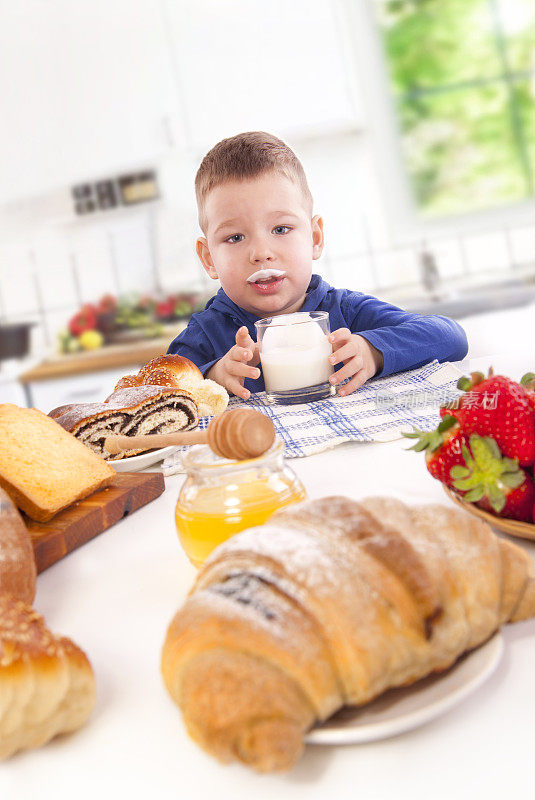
(221, 497)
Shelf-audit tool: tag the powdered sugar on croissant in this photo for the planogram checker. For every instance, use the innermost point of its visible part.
(331, 603)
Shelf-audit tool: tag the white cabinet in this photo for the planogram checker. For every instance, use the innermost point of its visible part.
(11, 391)
(87, 90)
(267, 65)
(90, 88)
(92, 387)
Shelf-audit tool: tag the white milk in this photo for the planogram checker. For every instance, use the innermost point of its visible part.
(295, 355)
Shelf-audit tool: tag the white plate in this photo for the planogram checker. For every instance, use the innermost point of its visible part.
(400, 710)
(142, 461)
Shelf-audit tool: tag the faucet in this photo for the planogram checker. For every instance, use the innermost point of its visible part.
(429, 273)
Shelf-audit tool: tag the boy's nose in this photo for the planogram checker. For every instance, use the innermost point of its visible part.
(260, 253)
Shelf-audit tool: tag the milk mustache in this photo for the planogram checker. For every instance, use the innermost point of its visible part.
(294, 353)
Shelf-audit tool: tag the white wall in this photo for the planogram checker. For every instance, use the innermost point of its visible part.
(161, 89)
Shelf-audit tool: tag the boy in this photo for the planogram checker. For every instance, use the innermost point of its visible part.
(260, 238)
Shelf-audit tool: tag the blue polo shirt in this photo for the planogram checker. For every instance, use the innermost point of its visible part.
(406, 340)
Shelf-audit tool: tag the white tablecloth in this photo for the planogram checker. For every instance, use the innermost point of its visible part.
(115, 598)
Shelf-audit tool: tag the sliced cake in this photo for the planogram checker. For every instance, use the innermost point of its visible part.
(129, 411)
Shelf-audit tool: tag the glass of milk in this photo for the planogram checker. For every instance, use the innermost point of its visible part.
(294, 353)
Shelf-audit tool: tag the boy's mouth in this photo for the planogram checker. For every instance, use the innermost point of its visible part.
(266, 281)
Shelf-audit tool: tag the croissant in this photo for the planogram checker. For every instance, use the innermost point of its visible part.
(329, 604)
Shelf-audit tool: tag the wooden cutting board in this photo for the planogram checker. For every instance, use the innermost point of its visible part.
(87, 518)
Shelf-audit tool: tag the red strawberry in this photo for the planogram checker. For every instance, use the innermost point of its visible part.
(500, 408)
(493, 482)
(443, 448)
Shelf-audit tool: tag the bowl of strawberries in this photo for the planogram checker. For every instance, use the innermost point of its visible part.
(483, 451)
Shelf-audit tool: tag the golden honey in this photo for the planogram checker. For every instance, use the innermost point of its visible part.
(220, 498)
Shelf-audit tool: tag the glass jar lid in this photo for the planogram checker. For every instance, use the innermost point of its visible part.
(201, 457)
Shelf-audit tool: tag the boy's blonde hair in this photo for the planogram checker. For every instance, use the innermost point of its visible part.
(246, 156)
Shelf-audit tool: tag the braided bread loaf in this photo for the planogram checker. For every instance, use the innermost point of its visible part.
(46, 682)
(180, 373)
(331, 603)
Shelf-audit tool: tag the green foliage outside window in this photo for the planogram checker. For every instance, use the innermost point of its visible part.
(462, 73)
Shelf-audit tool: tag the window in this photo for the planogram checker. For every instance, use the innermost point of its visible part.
(462, 75)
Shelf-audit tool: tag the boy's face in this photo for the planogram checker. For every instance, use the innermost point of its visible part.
(261, 224)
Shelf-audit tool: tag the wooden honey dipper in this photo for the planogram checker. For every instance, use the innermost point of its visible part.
(238, 434)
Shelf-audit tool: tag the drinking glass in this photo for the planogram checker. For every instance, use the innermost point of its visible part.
(294, 353)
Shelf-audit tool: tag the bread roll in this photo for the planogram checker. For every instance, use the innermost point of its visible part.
(178, 372)
(127, 382)
(211, 398)
(163, 377)
(181, 367)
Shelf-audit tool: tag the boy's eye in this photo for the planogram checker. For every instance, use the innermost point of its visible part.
(281, 229)
(235, 238)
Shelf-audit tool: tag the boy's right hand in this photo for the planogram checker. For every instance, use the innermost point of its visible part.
(236, 365)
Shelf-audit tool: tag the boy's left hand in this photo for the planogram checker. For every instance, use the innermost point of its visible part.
(361, 359)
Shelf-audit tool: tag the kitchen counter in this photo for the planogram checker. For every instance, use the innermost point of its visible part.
(115, 598)
(90, 375)
(118, 355)
(464, 297)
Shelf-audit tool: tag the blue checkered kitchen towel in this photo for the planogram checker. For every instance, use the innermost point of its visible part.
(378, 412)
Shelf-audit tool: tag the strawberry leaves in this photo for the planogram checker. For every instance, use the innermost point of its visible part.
(528, 381)
(465, 384)
(487, 473)
(431, 440)
(442, 447)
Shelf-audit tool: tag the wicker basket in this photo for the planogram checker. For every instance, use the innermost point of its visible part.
(525, 530)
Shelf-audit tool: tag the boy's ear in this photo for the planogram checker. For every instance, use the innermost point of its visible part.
(206, 259)
(317, 236)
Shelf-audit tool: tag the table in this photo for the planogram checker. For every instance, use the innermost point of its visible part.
(115, 598)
